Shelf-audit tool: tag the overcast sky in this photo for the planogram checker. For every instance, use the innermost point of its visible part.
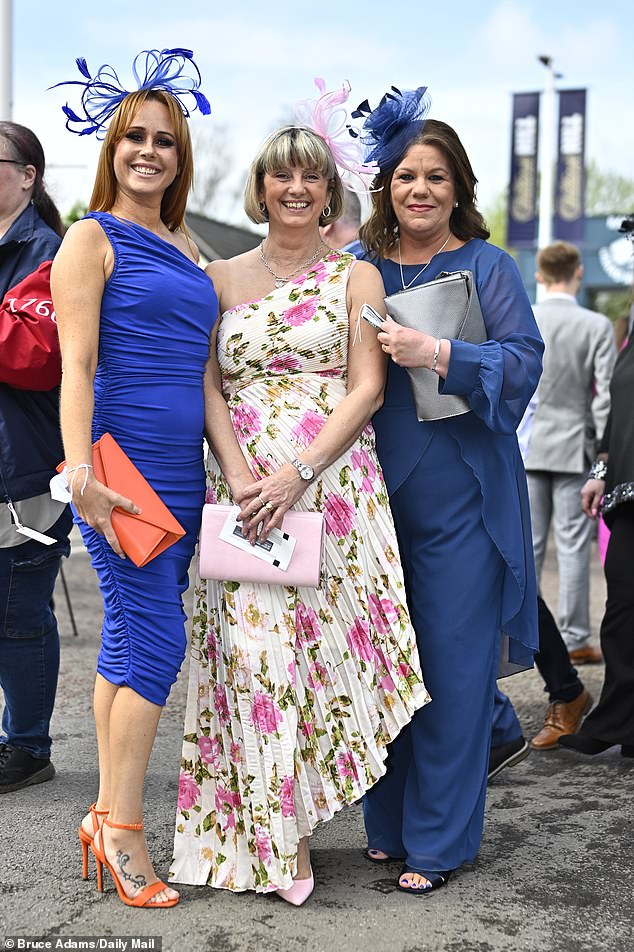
(258, 58)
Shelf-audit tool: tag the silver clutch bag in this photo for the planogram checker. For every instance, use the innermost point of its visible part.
(447, 307)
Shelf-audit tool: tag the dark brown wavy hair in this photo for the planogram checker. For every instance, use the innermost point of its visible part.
(25, 147)
(379, 233)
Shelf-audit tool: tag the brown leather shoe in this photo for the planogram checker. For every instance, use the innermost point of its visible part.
(586, 655)
(562, 718)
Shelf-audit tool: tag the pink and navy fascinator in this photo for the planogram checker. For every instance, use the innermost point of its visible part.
(388, 130)
(172, 71)
(327, 117)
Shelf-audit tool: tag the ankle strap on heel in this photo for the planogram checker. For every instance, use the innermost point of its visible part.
(93, 809)
(123, 826)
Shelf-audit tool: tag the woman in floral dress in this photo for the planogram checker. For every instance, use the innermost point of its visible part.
(294, 693)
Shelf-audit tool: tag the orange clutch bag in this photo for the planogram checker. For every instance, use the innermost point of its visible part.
(142, 537)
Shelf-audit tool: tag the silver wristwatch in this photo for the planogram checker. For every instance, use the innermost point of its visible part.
(304, 469)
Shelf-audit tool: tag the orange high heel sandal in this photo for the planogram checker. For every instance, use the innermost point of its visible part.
(143, 898)
(86, 838)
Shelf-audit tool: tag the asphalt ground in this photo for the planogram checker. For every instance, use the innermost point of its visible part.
(554, 872)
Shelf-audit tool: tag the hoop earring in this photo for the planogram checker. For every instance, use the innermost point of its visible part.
(326, 212)
(264, 210)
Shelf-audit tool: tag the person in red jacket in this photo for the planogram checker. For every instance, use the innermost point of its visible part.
(33, 527)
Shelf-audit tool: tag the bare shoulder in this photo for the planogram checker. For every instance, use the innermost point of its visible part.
(365, 275)
(87, 233)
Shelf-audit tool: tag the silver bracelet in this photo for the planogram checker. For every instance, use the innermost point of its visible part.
(598, 470)
(436, 353)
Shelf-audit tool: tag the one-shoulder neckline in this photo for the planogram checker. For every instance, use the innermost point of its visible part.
(148, 231)
(294, 280)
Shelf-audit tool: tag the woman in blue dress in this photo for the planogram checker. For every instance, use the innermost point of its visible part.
(135, 314)
(457, 490)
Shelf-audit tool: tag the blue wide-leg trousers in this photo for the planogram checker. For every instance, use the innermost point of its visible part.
(429, 807)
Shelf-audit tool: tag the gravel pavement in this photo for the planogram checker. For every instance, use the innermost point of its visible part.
(554, 873)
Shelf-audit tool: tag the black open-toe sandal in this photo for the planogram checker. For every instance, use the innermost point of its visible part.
(381, 860)
(435, 880)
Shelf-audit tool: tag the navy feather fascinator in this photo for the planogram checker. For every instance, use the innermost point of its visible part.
(388, 130)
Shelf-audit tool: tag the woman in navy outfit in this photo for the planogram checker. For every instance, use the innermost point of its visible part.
(457, 489)
(135, 314)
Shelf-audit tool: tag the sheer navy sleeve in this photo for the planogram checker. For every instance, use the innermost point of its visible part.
(500, 376)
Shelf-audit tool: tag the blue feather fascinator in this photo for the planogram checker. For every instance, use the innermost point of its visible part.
(103, 93)
(388, 130)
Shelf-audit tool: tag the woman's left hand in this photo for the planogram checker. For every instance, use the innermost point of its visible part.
(265, 502)
(406, 347)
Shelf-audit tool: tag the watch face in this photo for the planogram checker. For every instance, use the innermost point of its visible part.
(304, 470)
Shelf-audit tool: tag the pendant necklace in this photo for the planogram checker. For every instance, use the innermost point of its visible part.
(418, 274)
(282, 279)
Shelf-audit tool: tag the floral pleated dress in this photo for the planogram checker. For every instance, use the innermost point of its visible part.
(294, 693)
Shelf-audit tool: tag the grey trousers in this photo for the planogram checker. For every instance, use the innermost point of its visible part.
(555, 498)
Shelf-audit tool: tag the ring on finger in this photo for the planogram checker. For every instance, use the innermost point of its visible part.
(269, 508)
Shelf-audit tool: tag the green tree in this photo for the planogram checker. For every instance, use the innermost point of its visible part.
(608, 193)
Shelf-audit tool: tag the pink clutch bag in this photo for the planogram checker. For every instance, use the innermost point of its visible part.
(224, 562)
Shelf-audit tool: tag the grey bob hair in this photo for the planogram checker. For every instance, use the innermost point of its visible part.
(287, 148)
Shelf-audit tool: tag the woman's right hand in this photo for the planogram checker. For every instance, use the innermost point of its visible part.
(592, 493)
(94, 503)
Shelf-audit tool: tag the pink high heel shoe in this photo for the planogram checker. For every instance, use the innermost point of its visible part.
(298, 893)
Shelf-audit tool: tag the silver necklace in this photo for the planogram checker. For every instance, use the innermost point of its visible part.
(281, 279)
(418, 274)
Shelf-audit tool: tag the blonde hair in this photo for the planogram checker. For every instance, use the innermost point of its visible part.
(174, 200)
(292, 147)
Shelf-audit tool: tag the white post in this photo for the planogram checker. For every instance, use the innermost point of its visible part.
(546, 188)
(6, 59)
(547, 165)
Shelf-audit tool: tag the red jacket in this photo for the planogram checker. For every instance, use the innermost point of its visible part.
(29, 347)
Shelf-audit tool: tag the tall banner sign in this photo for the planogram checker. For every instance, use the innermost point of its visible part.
(571, 181)
(522, 207)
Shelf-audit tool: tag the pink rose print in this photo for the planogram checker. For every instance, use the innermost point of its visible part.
(361, 461)
(262, 843)
(265, 715)
(212, 646)
(286, 797)
(236, 753)
(317, 676)
(280, 365)
(358, 638)
(383, 614)
(210, 749)
(188, 791)
(318, 271)
(307, 626)
(404, 670)
(340, 515)
(246, 421)
(307, 728)
(210, 495)
(220, 700)
(298, 314)
(346, 766)
(226, 801)
(332, 372)
(308, 427)
(292, 674)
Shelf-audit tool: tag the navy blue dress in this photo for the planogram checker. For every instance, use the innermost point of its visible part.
(460, 504)
(157, 313)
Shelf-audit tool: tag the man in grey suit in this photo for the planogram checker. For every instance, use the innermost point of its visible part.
(573, 403)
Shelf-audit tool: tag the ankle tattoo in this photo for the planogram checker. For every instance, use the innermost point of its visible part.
(137, 881)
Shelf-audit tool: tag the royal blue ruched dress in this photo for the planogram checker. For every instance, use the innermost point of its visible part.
(157, 312)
